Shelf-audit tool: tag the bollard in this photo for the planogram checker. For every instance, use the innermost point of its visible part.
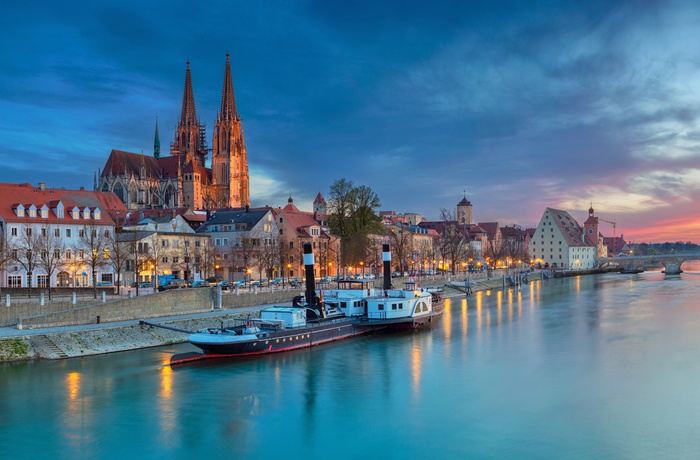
(75, 298)
(41, 299)
(217, 301)
(7, 300)
(131, 294)
(98, 319)
(104, 298)
(237, 290)
(255, 289)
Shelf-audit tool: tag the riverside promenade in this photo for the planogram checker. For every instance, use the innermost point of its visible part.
(69, 341)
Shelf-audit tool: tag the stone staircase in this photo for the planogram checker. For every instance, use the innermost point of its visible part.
(46, 348)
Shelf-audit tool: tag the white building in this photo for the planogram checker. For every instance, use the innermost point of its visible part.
(560, 242)
(46, 235)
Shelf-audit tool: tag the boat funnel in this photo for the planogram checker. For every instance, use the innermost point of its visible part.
(309, 272)
(386, 258)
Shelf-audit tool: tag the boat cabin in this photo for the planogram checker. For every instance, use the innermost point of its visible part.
(291, 316)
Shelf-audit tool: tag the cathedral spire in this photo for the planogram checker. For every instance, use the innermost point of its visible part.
(156, 142)
(189, 114)
(228, 101)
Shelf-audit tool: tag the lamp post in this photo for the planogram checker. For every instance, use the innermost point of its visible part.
(362, 264)
(289, 271)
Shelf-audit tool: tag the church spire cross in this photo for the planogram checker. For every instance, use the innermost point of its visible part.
(156, 142)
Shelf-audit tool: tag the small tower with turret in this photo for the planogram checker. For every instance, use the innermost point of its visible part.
(464, 211)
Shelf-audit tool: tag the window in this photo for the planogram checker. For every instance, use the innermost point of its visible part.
(14, 280)
(68, 233)
(164, 243)
(44, 213)
(93, 233)
(57, 232)
(42, 281)
(81, 233)
(176, 259)
(196, 244)
(43, 232)
(165, 259)
(107, 233)
(29, 231)
(56, 253)
(13, 231)
(82, 254)
(380, 307)
(68, 254)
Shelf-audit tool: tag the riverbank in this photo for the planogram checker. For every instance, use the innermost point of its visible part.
(92, 339)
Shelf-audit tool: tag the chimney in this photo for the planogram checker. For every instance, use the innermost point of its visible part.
(42, 186)
(81, 188)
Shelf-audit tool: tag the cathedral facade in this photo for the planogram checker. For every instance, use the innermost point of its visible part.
(182, 179)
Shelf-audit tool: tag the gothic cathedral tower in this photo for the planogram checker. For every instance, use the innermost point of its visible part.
(229, 158)
(190, 136)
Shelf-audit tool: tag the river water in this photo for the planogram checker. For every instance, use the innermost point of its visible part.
(591, 367)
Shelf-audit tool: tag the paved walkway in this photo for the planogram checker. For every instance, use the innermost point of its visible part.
(12, 331)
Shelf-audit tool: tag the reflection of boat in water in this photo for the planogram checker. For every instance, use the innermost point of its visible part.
(308, 322)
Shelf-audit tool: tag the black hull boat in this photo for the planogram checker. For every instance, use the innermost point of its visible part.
(308, 322)
(259, 336)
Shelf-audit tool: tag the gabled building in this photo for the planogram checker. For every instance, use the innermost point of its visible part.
(297, 227)
(560, 242)
(245, 242)
(165, 246)
(47, 234)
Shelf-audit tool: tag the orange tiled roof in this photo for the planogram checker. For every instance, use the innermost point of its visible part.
(13, 194)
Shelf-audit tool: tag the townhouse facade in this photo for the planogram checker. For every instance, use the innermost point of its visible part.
(56, 237)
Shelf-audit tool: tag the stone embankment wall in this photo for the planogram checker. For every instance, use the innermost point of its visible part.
(99, 341)
(174, 302)
(84, 343)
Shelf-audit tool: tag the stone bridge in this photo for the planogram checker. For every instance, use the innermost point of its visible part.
(633, 264)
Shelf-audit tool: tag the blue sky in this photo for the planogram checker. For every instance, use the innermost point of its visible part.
(523, 105)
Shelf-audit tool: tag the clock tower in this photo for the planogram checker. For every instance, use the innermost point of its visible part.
(464, 211)
(590, 229)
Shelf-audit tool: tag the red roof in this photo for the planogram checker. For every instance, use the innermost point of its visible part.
(12, 194)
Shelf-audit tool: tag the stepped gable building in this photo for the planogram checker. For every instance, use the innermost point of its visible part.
(182, 179)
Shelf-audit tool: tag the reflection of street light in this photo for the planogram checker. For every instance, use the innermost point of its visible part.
(289, 272)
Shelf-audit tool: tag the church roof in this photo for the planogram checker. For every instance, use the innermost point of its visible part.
(319, 198)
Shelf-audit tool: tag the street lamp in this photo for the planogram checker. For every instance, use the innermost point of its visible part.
(289, 272)
(362, 264)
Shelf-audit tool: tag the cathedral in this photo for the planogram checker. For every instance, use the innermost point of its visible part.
(182, 179)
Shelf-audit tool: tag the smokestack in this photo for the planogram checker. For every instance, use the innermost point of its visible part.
(309, 271)
(42, 186)
(386, 258)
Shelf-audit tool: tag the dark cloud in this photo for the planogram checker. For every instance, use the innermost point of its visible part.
(522, 105)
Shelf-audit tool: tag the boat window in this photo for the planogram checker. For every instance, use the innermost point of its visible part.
(393, 306)
(380, 306)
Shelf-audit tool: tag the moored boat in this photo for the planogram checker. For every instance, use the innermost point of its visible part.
(408, 307)
(307, 322)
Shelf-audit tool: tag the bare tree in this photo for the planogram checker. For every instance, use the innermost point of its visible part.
(117, 253)
(91, 245)
(453, 242)
(51, 251)
(5, 251)
(24, 252)
(399, 243)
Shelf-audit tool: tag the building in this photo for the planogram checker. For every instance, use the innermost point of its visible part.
(245, 242)
(182, 179)
(560, 242)
(164, 246)
(464, 211)
(55, 237)
(298, 227)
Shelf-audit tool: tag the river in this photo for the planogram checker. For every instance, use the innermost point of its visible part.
(603, 366)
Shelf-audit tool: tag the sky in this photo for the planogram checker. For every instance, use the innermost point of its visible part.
(518, 105)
